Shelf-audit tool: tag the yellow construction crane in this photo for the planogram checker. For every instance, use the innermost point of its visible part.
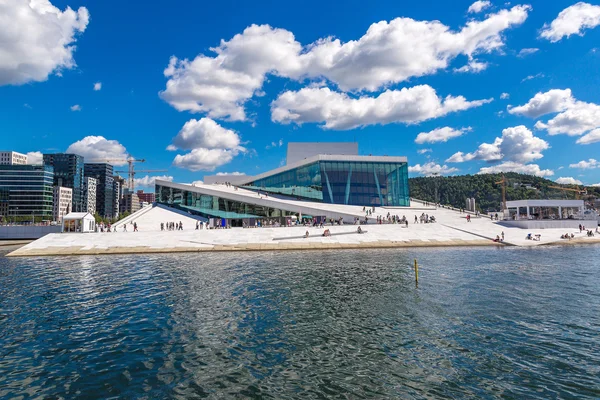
(577, 191)
(132, 175)
(130, 160)
(503, 183)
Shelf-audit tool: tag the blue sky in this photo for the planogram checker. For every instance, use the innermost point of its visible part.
(379, 74)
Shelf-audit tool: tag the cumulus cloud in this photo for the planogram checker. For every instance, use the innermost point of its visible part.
(431, 168)
(527, 51)
(473, 66)
(203, 159)
(204, 133)
(440, 135)
(572, 20)
(517, 144)
(97, 86)
(98, 149)
(568, 180)
(219, 85)
(511, 166)
(592, 137)
(583, 164)
(340, 111)
(574, 117)
(149, 181)
(35, 158)
(76, 107)
(479, 6)
(504, 96)
(37, 39)
(552, 101)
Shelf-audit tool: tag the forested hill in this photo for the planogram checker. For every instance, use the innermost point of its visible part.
(453, 190)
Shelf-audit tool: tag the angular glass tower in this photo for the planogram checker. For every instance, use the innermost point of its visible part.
(68, 172)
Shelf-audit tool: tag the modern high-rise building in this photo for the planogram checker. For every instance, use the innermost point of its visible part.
(103, 173)
(68, 172)
(12, 158)
(26, 191)
(130, 203)
(117, 195)
(61, 202)
(146, 197)
(89, 194)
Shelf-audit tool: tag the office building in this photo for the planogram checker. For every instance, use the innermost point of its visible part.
(103, 174)
(68, 172)
(61, 202)
(130, 203)
(146, 197)
(89, 195)
(117, 195)
(12, 158)
(26, 192)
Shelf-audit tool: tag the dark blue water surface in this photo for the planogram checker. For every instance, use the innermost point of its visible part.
(483, 323)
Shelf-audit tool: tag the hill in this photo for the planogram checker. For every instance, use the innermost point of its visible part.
(453, 190)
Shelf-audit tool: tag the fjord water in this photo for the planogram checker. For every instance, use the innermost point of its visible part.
(483, 323)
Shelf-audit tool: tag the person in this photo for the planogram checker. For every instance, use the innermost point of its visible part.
(306, 234)
(135, 227)
(503, 236)
(416, 220)
(406, 222)
(528, 237)
(124, 227)
(327, 233)
(359, 230)
(497, 239)
(197, 225)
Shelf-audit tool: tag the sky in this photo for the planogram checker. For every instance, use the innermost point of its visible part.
(200, 88)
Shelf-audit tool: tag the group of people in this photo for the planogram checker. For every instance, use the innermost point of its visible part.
(424, 219)
(113, 228)
(499, 238)
(172, 226)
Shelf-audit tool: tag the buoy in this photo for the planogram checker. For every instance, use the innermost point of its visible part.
(416, 272)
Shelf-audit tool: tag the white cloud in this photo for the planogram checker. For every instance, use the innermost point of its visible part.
(583, 164)
(148, 181)
(274, 144)
(572, 20)
(568, 180)
(511, 166)
(592, 137)
(388, 53)
(517, 144)
(76, 107)
(236, 173)
(440, 135)
(530, 77)
(432, 168)
(204, 133)
(37, 39)
(504, 96)
(97, 86)
(479, 6)
(35, 158)
(340, 111)
(423, 151)
(98, 149)
(473, 66)
(552, 101)
(203, 159)
(527, 52)
(574, 117)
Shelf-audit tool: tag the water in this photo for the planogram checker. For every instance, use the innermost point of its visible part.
(483, 323)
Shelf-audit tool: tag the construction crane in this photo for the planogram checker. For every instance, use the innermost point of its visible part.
(577, 191)
(503, 183)
(132, 173)
(130, 160)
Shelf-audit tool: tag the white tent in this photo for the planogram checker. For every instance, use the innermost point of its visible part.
(78, 222)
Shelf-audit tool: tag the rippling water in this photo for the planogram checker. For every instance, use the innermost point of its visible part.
(483, 323)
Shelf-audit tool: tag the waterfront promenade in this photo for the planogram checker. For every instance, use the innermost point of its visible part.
(451, 229)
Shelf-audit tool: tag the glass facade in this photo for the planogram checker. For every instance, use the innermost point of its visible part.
(342, 182)
(207, 206)
(68, 172)
(105, 199)
(26, 191)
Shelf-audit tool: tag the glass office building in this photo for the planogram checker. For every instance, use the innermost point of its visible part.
(26, 192)
(68, 172)
(235, 213)
(352, 180)
(105, 198)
